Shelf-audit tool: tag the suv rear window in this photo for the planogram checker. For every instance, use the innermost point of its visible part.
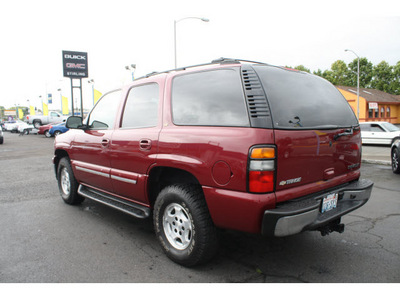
(210, 98)
(301, 100)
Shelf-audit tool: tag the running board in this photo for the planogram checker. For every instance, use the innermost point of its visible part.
(126, 206)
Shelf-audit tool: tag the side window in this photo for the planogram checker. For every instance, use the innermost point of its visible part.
(53, 114)
(365, 127)
(211, 98)
(103, 114)
(141, 108)
(376, 128)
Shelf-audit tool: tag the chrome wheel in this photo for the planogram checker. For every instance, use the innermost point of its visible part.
(395, 161)
(65, 182)
(178, 226)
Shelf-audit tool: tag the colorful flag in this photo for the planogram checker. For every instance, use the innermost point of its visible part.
(20, 114)
(96, 96)
(31, 110)
(45, 109)
(65, 110)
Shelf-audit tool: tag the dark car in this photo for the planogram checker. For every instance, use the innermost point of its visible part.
(395, 154)
(1, 136)
(232, 144)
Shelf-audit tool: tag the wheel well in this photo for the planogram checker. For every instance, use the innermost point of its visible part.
(57, 157)
(160, 177)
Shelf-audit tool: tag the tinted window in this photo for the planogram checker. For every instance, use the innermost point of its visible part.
(365, 127)
(212, 98)
(103, 114)
(301, 100)
(141, 108)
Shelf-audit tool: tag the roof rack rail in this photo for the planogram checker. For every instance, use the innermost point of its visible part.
(221, 60)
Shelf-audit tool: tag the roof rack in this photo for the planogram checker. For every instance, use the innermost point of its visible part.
(221, 60)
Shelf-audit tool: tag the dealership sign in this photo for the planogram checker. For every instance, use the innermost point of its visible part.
(75, 64)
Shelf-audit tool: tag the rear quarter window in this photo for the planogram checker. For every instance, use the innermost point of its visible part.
(301, 100)
(209, 98)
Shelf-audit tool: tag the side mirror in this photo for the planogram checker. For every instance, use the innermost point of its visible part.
(74, 122)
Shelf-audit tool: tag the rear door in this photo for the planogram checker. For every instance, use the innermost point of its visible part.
(316, 132)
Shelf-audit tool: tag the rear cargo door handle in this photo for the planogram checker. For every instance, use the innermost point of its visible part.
(145, 144)
(105, 142)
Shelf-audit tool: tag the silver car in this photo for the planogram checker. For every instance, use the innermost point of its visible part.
(383, 133)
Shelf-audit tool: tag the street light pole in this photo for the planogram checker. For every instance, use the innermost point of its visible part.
(175, 22)
(131, 67)
(358, 83)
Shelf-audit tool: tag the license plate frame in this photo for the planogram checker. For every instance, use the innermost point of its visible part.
(329, 202)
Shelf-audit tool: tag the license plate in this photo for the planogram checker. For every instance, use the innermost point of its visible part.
(329, 202)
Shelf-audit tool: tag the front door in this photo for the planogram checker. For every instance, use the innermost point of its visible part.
(90, 155)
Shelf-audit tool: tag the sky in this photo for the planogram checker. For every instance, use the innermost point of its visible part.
(117, 33)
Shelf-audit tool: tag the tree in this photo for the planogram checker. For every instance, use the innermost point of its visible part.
(340, 73)
(382, 76)
(365, 72)
(302, 68)
(395, 85)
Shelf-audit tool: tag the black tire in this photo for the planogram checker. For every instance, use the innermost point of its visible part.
(37, 124)
(26, 131)
(67, 184)
(183, 225)
(57, 133)
(1, 140)
(47, 134)
(396, 161)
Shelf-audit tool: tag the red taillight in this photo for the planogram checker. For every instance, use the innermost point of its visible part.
(261, 181)
(261, 172)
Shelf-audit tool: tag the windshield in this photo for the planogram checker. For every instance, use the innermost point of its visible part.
(390, 127)
(300, 100)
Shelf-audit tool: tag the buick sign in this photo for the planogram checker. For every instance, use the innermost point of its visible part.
(75, 64)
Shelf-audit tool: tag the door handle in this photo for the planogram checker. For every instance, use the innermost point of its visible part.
(145, 144)
(105, 142)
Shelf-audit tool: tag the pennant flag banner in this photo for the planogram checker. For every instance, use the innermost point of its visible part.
(96, 96)
(31, 110)
(45, 109)
(65, 110)
(20, 114)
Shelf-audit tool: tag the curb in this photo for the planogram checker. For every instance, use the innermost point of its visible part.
(377, 162)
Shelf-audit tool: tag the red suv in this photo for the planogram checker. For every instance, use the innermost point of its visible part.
(232, 144)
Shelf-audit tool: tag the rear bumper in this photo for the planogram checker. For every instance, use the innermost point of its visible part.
(303, 214)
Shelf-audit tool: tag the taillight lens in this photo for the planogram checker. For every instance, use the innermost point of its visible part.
(261, 173)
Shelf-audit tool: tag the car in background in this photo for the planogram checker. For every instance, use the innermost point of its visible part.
(1, 136)
(44, 129)
(395, 154)
(25, 128)
(57, 129)
(12, 126)
(382, 133)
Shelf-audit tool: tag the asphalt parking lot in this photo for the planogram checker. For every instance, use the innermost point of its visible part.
(44, 240)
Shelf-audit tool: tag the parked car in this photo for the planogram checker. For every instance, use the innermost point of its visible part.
(204, 147)
(57, 129)
(1, 136)
(12, 126)
(25, 128)
(39, 120)
(383, 133)
(44, 129)
(395, 155)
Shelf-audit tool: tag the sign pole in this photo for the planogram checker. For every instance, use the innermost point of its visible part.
(80, 87)
(72, 96)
